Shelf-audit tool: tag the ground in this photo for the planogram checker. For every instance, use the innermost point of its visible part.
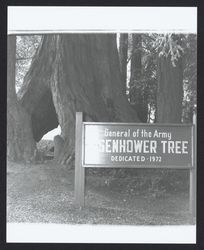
(45, 193)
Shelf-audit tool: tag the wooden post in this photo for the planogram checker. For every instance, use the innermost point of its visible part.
(79, 170)
(193, 173)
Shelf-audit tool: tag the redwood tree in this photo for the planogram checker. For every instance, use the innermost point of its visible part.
(74, 72)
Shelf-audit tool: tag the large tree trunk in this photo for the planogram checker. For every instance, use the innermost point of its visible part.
(137, 87)
(169, 91)
(82, 73)
(20, 143)
(123, 54)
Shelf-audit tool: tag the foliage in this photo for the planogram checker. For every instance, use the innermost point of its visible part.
(149, 62)
(144, 89)
(26, 47)
(168, 44)
(190, 76)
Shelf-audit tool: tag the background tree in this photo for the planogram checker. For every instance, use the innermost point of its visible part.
(136, 97)
(155, 48)
(170, 78)
(123, 55)
(149, 62)
(190, 77)
(142, 76)
(20, 143)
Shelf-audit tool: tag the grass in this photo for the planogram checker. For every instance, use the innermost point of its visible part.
(45, 193)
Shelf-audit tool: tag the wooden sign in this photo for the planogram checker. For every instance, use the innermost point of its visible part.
(137, 145)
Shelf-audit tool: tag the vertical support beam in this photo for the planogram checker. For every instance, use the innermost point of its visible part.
(193, 173)
(79, 170)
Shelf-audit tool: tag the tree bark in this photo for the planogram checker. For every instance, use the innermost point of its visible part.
(137, 87)
(123, 54)
(169, 91)
(20, 143)
(82, 73)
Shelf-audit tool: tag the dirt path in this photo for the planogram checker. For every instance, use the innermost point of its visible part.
(45, 193)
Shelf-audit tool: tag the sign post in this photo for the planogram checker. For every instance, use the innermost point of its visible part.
(193, 173)
(79, 170)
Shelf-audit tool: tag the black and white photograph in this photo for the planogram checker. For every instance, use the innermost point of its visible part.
(101, 124)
